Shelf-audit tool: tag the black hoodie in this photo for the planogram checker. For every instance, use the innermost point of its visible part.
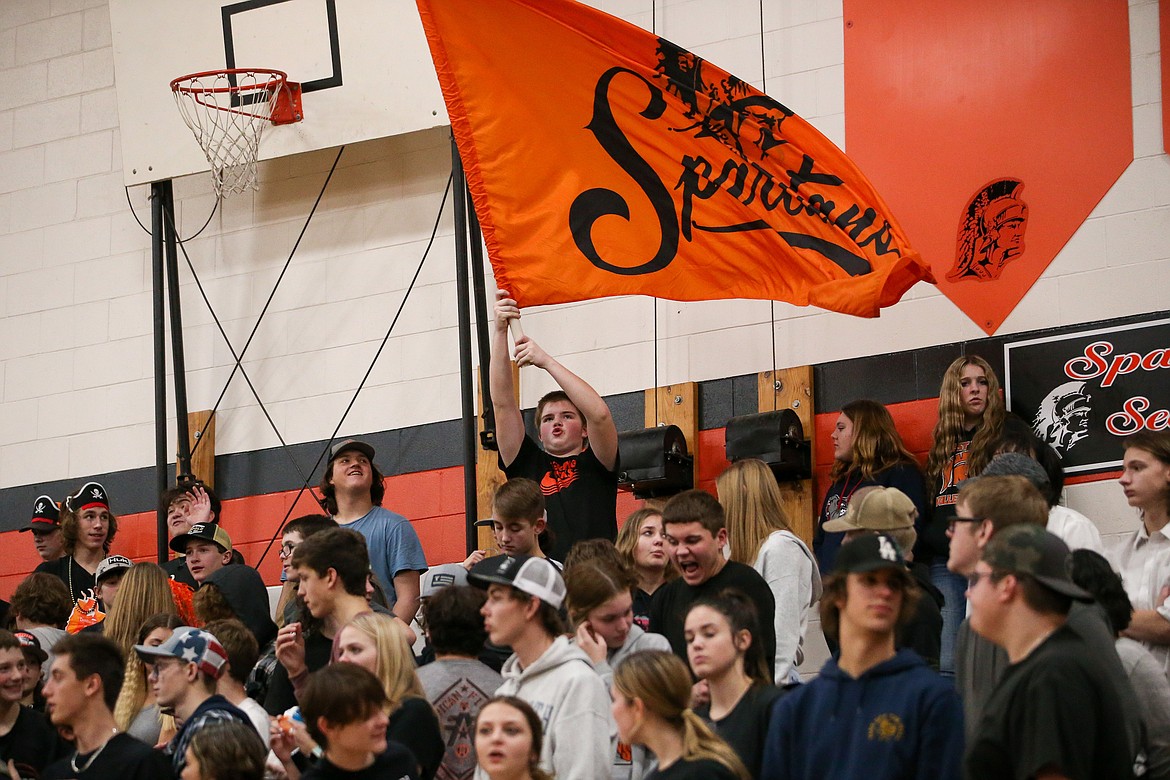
(244, 591)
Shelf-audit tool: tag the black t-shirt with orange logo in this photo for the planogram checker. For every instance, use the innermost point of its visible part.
(580, 494)
(934, 546)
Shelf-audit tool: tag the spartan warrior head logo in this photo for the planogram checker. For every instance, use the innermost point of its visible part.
(991, 233)
(1063, 417)
(722, 109)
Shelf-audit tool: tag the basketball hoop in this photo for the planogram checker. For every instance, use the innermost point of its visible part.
(227, 111)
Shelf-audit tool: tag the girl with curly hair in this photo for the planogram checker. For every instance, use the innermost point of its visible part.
(970, 425)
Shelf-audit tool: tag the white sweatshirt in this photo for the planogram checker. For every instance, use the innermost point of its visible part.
(791, 572)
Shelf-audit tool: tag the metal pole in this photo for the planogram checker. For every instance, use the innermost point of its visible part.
(488, 435)
(160, 364)
(467, 383)
(183, 460)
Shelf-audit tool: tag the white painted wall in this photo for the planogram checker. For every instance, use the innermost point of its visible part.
(75, 308)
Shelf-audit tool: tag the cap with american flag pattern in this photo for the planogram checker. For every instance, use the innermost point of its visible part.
(192, 645)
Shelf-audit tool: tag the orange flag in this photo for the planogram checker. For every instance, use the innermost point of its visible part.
(603, 160)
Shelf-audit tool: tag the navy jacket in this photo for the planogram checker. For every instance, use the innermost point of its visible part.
(899, 720)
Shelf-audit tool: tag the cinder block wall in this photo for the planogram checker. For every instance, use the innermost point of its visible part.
(75, 318)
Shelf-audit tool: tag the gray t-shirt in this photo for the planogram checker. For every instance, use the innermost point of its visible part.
(146, 726)
(1153, 701)
(458, 688)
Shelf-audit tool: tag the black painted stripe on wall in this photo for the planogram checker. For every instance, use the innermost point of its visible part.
(891, 378)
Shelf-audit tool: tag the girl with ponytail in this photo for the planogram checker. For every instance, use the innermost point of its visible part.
(651, 693)
(600, 604)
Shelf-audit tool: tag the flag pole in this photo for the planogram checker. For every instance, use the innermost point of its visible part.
(467, 381)
(487, 435)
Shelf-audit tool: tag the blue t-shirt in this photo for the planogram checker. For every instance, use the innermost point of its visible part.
(394, 546)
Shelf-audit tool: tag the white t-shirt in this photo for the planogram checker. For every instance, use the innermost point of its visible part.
(1143, 561)
(1077, 531)
(257, 714)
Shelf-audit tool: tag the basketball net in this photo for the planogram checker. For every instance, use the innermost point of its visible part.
(227, 111)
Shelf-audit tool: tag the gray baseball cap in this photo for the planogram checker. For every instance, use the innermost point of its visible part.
(1014, 464)
(534, 576)
(350, 444)
(438, 577)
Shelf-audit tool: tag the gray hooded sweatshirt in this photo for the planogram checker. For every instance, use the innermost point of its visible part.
(573, 704)
(630, 762)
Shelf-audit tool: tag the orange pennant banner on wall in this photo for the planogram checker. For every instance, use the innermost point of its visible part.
(604, 160)
(1020, 127)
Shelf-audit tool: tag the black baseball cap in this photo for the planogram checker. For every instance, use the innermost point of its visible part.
(870, 552)
(210, 532)
(29, 644)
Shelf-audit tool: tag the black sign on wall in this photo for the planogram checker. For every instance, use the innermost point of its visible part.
(1085, 392)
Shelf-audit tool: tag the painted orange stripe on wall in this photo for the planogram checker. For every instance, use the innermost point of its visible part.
(433, 501)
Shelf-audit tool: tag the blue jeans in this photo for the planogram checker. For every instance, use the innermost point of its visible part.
(954, 588)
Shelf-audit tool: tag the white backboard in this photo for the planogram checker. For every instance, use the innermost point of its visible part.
(364, 64)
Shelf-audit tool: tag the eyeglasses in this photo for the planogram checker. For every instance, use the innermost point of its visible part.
(286, 549)
(976, 576)
(158, 667)
(955, 520)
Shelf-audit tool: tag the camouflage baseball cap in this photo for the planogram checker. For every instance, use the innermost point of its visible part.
(1029, 549)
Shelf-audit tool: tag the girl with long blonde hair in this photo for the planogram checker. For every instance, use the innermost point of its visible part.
(144, 592)
(867, 452)
(136, 712)
(379, 644)
(970, 423)
(759, 536)
(651, 706)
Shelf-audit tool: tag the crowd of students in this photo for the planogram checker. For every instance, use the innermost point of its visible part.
(966, 638)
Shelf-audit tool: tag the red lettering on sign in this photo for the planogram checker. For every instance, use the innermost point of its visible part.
(1132, 418)
(1158, 358)
(1092, 363)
